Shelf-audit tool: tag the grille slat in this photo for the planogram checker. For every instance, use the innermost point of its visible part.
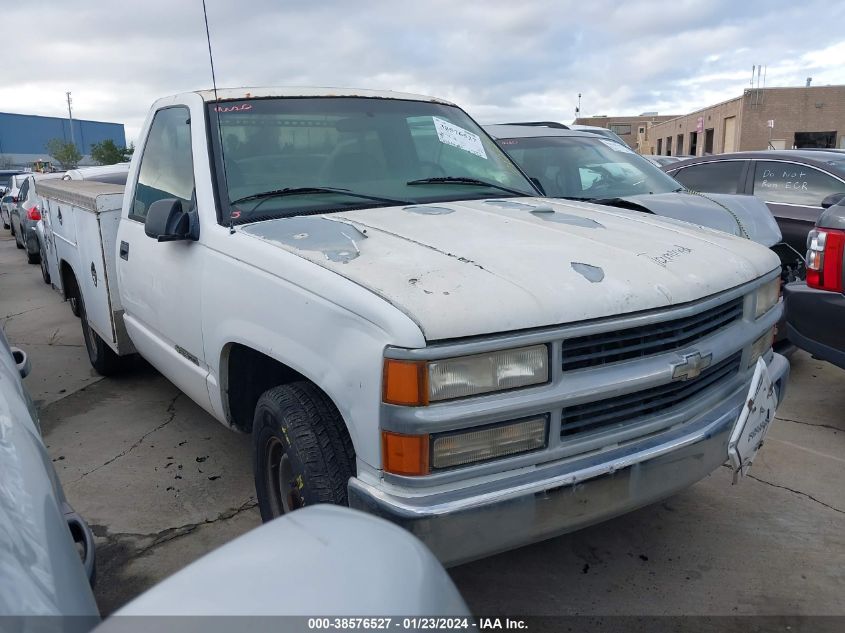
(627, 409)
(610, 347)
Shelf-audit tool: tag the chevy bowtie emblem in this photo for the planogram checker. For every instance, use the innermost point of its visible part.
(691, 367)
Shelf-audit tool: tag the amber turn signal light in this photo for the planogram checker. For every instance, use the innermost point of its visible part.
(405, 382)
(404, 454)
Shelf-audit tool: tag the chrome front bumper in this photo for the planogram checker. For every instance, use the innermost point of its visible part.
(548, 500)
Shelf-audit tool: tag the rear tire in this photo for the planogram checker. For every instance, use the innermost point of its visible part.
(45, 268)
(33, 258)
(17, 235)
(102, 357)
(302, 452)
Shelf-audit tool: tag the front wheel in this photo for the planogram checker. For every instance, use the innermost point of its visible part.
(302, 452)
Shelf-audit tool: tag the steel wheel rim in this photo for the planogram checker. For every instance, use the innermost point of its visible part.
(280, 481)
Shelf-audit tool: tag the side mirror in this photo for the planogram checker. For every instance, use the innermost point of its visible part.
(167, 222)
(22, 361)
(832, 200)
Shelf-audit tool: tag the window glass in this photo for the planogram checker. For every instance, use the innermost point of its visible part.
(620, 128)
(370, 152)
(24, 190)
(586, 168)
(716, 177)
(167, 167)
(793, 183)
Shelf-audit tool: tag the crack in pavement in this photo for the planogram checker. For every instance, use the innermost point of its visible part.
(9, 316)
(823, 426)
(797, 492)
(171, 409)
(171, 534)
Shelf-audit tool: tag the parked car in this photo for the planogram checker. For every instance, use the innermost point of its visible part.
(796, 185)
(26, 214)
(366, 283)
(599, 131)
(815, 309)
(41, 571)
(576, 165)
(661, 161)
(348, 564)
(9, 201)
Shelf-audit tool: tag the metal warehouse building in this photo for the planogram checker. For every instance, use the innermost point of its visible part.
(24, 137)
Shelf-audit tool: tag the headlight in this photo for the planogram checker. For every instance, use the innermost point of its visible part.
(466, 447)
(416, 455)
(766, 297)
(761, 346)
(416, 383)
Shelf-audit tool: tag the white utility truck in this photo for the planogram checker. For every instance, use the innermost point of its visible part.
(369, 286)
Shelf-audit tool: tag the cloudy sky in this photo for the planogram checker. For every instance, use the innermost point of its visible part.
(500, 60)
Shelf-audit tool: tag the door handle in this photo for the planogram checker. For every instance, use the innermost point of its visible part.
(60, 216)
(124, 250)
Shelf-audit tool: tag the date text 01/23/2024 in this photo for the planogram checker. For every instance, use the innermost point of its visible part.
(416, 623)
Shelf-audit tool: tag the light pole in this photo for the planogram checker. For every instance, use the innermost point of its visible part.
(578, 108)
(70, 117)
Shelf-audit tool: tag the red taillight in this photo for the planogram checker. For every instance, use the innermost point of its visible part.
(825, 252)
(34, 214)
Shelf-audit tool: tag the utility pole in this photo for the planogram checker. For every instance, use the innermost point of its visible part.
(70, 117)
(578, 109)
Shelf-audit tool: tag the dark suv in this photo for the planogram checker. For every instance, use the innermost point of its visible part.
(815, 309)
(797, 185)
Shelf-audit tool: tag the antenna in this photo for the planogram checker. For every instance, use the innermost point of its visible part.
(216, 113)
(210, 56)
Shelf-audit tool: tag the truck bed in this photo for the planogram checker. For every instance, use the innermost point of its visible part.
(80, 220)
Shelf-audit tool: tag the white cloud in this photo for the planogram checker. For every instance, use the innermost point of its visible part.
(500, 60)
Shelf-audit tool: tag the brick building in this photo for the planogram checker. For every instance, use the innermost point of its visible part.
(764, 118)
(632, 129)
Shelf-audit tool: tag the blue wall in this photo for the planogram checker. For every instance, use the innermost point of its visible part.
(28, 134)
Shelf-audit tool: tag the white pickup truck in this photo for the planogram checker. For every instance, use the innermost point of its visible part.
(367, 284)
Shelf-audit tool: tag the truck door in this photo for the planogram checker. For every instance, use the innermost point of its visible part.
(160, 282)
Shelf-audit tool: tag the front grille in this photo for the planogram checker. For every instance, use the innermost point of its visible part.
(646, 340)
(628, 409)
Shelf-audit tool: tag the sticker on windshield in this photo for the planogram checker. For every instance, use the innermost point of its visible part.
(455, 136)
(617, 146)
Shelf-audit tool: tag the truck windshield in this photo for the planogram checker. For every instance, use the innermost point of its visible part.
(587, 168)
(294, 156)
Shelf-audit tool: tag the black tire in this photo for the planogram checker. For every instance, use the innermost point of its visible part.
(17, 235)
(102, 357)
(33, 258)
(45, 268)
(302, 452)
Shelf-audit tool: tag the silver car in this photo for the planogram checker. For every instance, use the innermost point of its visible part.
(26, 214)
(42, 537)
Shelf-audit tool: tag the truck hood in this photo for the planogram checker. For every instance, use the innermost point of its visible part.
(744, 216)
(477, 267)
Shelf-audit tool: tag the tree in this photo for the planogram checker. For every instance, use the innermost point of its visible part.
(64, 152)
(108, 153)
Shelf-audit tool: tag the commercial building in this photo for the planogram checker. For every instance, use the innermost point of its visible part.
(24, 137)
(632, 129)
(762, 118)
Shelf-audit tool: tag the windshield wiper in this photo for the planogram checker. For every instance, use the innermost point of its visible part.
(293, 191)
(461, 180)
